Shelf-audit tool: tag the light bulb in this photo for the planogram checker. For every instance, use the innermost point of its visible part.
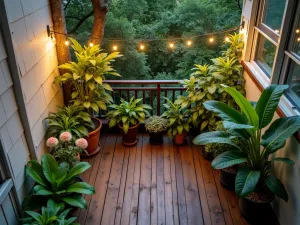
(91, 44)
(189, 43)
(171, 45)
(298, 39)
(297, 31)
(67, 42)
(211, 39)
(277, 31)
(115, 47)
(226, 39)
(142, 46)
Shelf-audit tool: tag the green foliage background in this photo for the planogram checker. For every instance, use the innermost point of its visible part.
(152, 19)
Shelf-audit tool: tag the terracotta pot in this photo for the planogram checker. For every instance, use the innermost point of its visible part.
(255, 212)
(156, 138)
(94, 136)
(179, 139)
(129, 139)
(227, 179)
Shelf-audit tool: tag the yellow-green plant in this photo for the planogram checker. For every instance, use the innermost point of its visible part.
(87, 75)
(236, 45)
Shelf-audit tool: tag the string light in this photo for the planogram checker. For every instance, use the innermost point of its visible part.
(142, 46)
(115, 47)
(211, 39)
(91, 44)
(189, 43)
(298, 39)
(171, 44)
(226, 39)
(297, 31)
(67, 42)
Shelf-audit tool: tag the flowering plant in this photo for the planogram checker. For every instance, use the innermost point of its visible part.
(66, 149)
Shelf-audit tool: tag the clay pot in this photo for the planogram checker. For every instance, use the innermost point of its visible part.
(129, 138)
(179, 139)
(156, 138)
(94, 136)
(227, 179)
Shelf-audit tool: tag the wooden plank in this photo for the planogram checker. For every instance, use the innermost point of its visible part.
(211, 192)
(173, 183)
(201, 187)
(110, 205)
(122, 192)
(192, 197)
(161, 216)
(92, 172)
(182, 210)
(168, 183)
(153, 188)
(144, 217)
(136, 184)
(223, 200)
(95, 210)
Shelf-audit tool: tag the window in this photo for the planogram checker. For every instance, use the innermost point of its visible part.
(293, 80)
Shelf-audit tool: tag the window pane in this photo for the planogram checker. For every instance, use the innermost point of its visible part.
(273, 14)
(293, 80)
(296, 39)
(265, 54)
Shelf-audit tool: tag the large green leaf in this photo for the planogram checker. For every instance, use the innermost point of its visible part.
(282, 128)
(285, 160)
(50, 168)
(277, 187)
(41, 190)
(228, 158)
(231, 125)
(220, 137)
(226, 112)
(245, 106)
(75, 200)
(35, 215)
(36, 176)
(77, 169)
(81, 188)
(267, 103)
(246, 181)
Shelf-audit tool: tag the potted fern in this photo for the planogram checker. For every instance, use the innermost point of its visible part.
(254, 183)
(156, 126)
(128, 116)
(87, 75)
(178, 122)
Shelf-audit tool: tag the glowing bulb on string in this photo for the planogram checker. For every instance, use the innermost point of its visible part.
(298, 39)
(211, 39)
(226, 39)
(171, 45)
(115, 47)
(189, 43)
(67, 42)
(91, 44)
(277, 31)
(297, 31)
(142, 46)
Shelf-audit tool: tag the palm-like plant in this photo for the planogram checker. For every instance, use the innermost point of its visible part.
(247, 125)
(177, 117)
(128, 113)
(72, 119)
(87, 75)
(236, 45)
(58, 182)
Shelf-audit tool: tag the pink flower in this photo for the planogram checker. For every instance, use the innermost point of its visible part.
(65, 136)
(81, 143)
(52, 142)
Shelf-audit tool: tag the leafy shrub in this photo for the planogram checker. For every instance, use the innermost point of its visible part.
(156, 124)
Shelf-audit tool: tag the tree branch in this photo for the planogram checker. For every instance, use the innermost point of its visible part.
(80, 22)
(100, 9)
(67, 4)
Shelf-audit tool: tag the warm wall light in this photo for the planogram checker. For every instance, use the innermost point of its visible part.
(115, 47)
(189, 43)
(211, 39)
(171, 45)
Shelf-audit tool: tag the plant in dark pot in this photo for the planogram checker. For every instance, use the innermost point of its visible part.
(156, 126)
(254, 183)
(59, 182)
(178, 122)
(128, 116)
(86, 75)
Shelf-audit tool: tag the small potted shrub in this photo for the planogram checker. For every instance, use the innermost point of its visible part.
(254, 183)
(59, 182)
(156, 126)
(86, 76)
(66, 149)
(178, 123)
(128, 116)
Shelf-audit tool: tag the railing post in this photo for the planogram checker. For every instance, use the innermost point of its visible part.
(158, 100)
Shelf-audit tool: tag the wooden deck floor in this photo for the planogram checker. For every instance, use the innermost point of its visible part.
(153, 185)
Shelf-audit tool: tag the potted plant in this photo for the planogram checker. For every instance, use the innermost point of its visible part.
(128, 116)
(59, 182)
(53, 213)
(156, 126)
(86, 75)
(254, 184)
(65, 149)
(178, 123)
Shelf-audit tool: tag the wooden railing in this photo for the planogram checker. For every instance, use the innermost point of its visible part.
(151, 91)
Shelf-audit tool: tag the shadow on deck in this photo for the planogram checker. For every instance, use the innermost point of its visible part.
(148, 184)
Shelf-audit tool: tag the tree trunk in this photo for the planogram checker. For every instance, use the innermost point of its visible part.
(63, 52)
(100, 9)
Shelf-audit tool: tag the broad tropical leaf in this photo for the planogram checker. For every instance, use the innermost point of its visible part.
(244, 105)
(228, 158)
(267, 103)
(76, 201)
(277, 187)
(77, 169)
(246, 181)
(231, 125)
(81, 188)
(281, 129)
(285, 160)
(50, 167)
(41, 190)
